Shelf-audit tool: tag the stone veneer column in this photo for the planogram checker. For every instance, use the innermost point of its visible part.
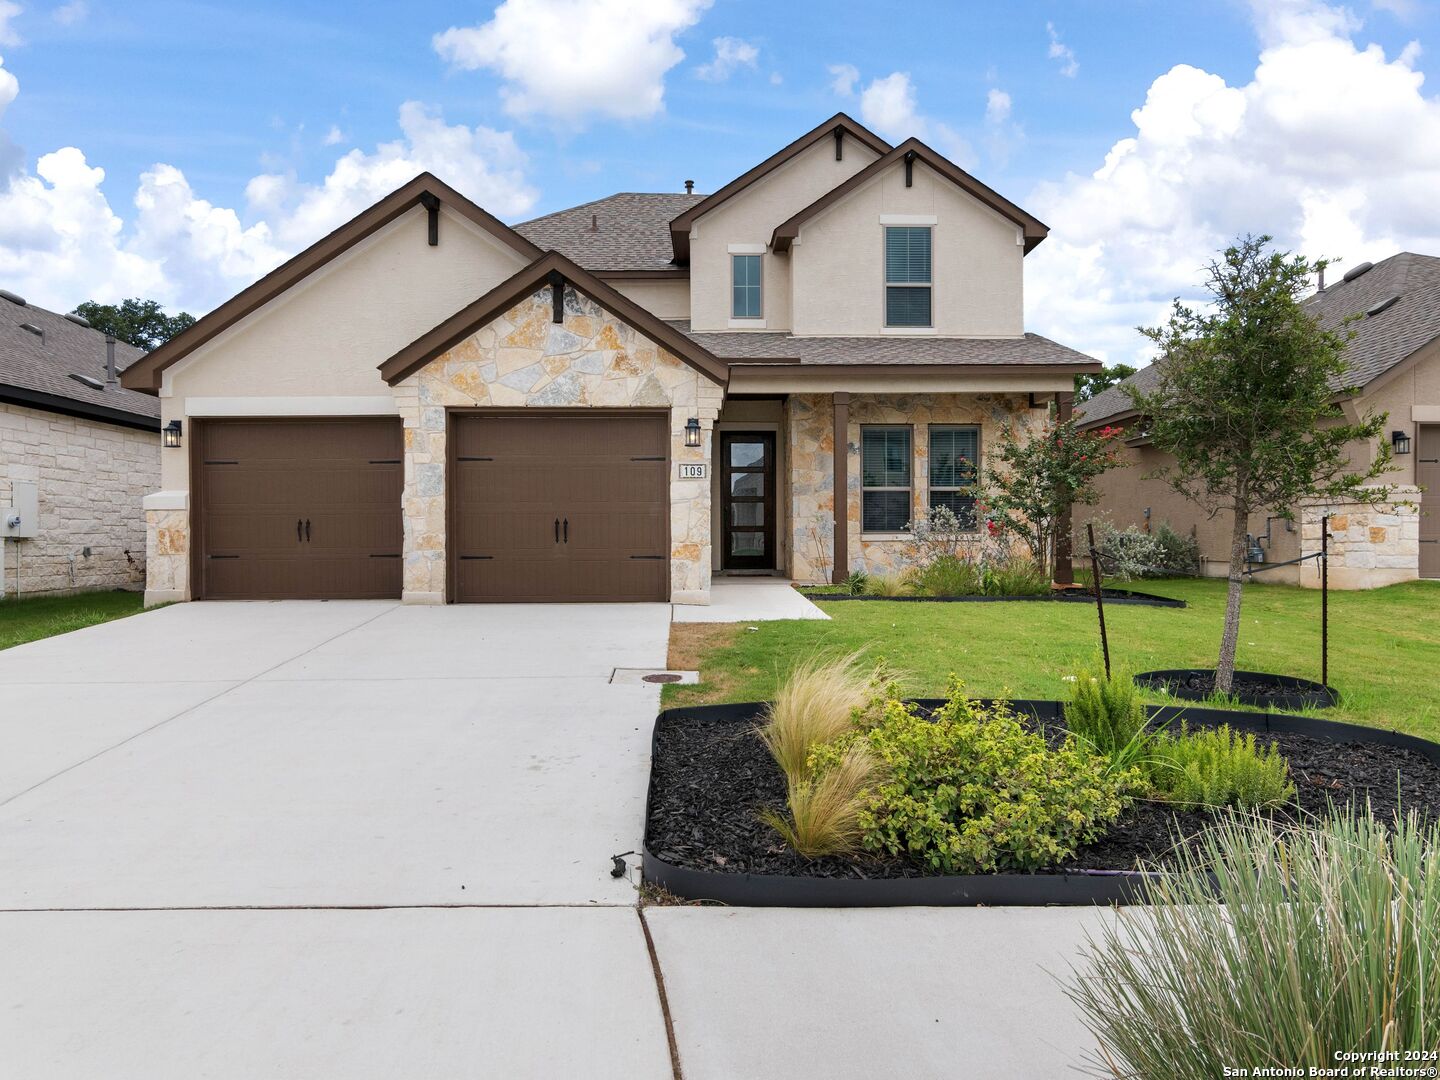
(1064, 563)
(841, 436)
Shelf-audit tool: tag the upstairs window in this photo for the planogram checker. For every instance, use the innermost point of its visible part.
(884, 479)
(907, 275)
(745, 299)
(954, 468)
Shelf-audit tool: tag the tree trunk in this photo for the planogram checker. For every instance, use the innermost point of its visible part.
(1225, 666)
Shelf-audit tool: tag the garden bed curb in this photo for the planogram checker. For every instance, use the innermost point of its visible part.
(1307, 694)
(1077, 596)
(965, 890)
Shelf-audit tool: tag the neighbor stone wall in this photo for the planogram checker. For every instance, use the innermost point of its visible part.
(1369, 546)
(90, 480)
(524, 359)
(810, 432)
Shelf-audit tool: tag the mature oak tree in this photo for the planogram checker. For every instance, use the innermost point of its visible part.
(1087, 386)
(1246, 404)
(142, 323)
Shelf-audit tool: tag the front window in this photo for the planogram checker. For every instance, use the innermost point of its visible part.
(954, 468)
(907, 275)
(745, 287)
(884, 479)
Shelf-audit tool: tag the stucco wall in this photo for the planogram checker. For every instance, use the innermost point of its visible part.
(323, 339)
(523, 359)
(809, 433)
(90, 479)
(750, 217)
(837, 265)
(1418, 385)
(668, 299)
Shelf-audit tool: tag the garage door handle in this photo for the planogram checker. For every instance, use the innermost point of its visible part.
(307, 530)
(299, 530)
(557, 530)
(566, 527)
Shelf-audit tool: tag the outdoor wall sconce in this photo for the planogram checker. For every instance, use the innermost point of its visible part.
(692, 431)
(171, 434)
(1400, 441)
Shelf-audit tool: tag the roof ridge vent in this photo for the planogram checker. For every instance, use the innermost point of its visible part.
(14, 298)
(31, 328)
(1356, 271)
(78, 320)
(1383, 305)
(86, 380)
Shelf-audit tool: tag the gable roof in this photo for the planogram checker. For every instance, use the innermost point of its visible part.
(425, 189)
(1034, 229)
(1379, 343)
(500, 299)
(35, 371)
(628, 231)
(680, 227)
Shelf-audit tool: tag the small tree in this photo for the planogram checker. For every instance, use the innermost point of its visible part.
(1087, 386)
(1245, 405)
(1039, 479)
(138, 322)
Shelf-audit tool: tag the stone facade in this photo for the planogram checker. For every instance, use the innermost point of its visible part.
(809, 431)
(1369, 546)
(90, 479)
(525, 360)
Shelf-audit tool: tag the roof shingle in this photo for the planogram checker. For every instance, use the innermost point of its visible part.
(627, 231)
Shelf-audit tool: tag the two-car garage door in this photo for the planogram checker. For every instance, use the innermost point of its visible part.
(543, 507)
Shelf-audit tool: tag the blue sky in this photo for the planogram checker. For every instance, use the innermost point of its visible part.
(1031, 97)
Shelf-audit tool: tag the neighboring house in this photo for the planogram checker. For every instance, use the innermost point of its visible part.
(77, 455)
(613, 402)
(1393, 363)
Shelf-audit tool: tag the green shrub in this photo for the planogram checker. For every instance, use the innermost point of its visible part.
(945, 575)
(1018, 575)
(1215, 767)
(971, 789)
(1107, 715)
(1272, 947)
(855, 583)
(1135, 553)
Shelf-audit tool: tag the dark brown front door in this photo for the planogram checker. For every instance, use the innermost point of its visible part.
(298, 509)
(559, 507)
(747, 495)
(1427, 475)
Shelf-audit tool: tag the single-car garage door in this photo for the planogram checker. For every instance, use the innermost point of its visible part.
(559, 507)
(298, 509)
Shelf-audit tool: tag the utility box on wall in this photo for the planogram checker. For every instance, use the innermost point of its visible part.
(21, 519)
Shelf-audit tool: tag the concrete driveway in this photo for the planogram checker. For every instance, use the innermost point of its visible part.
(365, 840)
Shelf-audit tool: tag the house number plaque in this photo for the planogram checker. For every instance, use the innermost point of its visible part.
(692, 472)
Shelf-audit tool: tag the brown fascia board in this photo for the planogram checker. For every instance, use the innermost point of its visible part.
(500, 299)
(818, 371)
(678, 273)
(144, 374)
(1034, 229)
(36, 399)
(1113, 420)
(680, 226)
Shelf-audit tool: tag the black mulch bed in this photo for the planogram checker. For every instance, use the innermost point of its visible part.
(1247, 687)
(711, 778)
(1072, 596)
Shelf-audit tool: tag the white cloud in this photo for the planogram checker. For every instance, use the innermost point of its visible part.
(889, 106)
(997, 106)
(77, 11)
(1069, 66)
(9, 88)
(843, 78)
(61, 241)
(333, 137)
(9, 11)
(731, 54)
(568, 59)
(1331, 147)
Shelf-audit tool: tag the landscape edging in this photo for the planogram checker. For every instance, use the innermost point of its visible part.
(966, 890)
(1134, 599)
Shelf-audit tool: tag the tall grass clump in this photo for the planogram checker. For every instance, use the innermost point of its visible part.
(1218, 767)
(1272, 946)
(824, 817)
(945, 575)
(884, 585)
(816, 704)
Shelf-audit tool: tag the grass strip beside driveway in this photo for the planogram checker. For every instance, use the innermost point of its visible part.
(1384, 645)
(34, 617)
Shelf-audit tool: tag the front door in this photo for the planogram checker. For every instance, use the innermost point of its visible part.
(1427, 475)
(747, 496)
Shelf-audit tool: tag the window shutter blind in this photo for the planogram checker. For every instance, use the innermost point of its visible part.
(907, 255)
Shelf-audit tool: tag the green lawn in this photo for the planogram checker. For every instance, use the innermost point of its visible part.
(33, 618)
(1384, 645)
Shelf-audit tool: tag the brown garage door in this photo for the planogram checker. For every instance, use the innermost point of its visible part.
(1427, 475)
(298, 509)
(559, 507)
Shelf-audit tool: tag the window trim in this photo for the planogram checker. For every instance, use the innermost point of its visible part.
(759, 258)
(909, 489)
(930, 487)
(886, 285)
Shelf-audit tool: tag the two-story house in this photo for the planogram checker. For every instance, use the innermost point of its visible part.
(613, 402)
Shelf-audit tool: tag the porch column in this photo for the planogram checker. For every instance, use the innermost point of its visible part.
(842, 488)
(1064, 561)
